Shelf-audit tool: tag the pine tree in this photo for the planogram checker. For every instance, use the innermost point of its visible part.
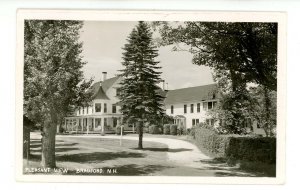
(139, 98)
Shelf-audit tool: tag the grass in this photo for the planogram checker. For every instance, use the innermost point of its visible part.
(99, 156)
(102, 154)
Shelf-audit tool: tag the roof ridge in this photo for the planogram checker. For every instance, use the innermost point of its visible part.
(194, 86)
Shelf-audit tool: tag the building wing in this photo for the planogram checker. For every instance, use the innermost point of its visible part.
(191, 94)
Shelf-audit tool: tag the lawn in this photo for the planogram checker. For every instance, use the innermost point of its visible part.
(91, 156)
(105, 156)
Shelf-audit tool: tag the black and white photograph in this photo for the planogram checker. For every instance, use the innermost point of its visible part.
(124, 95)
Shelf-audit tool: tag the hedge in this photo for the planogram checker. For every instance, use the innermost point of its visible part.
(154, 129)
(235, 147)
(145, 130)
(173, 129)
(166, 129)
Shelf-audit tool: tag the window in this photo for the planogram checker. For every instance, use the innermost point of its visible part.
(184, 108)
(214, 96)
(79, 111)
(87, 110)
(210, 105)
(192, 108)
(114, 108)
(193, 122)
(197, 121)
(117, 91)
(172, 109)
(214, 104)
(198, 107)
(105, 108)
(98, 107)
(210, 122)
(83, 110)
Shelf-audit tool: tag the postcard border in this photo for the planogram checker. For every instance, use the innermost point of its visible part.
(117, 15)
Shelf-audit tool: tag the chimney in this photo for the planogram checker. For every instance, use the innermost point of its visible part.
(104, 74)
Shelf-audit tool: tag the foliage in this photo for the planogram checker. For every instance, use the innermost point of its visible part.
(166, 129)
(53, 81)
(236, 147)
(261, 149)
(239, 54)
(247, 49)
(173, 129)
(139, 98)
(265, 109)
(155, 129)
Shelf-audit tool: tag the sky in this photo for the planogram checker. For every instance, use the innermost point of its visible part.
(102, 50)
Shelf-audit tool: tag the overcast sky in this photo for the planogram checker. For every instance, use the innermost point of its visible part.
(102, 50)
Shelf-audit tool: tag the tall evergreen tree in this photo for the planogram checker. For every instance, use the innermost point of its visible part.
(53, 79)
(139, 97)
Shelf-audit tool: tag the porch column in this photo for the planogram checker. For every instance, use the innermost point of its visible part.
(102, 125)
(82, 124)
(118, 121)
(77, 123)
(87, 125)
(94, 124)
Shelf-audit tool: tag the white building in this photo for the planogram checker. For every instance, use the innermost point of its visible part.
(102, 114)
(188, 106)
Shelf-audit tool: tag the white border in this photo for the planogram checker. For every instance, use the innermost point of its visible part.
(113, 15)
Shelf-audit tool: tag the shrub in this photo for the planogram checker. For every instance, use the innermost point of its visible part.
(253, 149)
(173, 129)
(154, 129)
(236, 147)
(118, 130)
(166, 129)
(181, 130)
(191, 132)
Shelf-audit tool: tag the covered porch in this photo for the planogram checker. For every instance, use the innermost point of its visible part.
(91, 124)
(180, 120)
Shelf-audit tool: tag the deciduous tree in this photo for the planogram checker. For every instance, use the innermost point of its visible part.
(53, 80)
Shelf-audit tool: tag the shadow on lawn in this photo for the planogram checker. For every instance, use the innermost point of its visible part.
(125, 170)
(61, 149)
(165, 149)
(222, 169)
(97, 157)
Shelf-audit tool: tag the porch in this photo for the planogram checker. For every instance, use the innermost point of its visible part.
(91, 124)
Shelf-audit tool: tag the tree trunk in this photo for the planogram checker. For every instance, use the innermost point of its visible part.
(267, 104)
(48, 145)
(26, 141)
(140, 127)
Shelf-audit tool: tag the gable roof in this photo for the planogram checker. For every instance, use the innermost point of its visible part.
(100, 88)
(108, 83)
(192, 94)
